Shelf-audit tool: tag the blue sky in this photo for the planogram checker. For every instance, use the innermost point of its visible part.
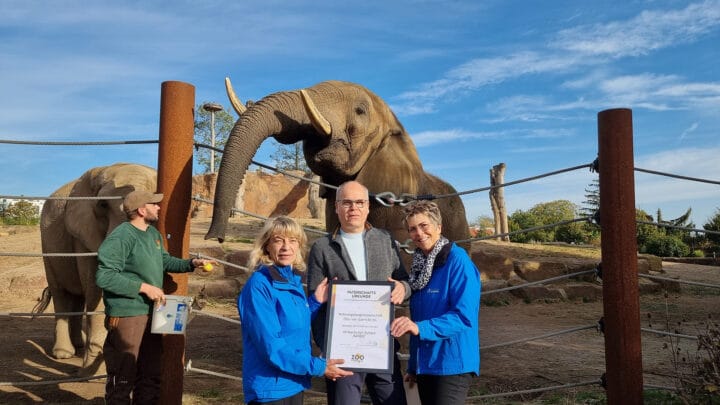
(475, 83)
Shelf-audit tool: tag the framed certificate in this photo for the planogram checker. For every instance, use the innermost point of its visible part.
(358, 325)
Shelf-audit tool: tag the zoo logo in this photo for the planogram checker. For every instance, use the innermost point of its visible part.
(357, 357)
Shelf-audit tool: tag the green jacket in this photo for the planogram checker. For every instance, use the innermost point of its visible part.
(126, 259)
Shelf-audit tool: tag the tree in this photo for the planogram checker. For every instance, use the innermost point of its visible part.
(224, 122)
(592, 199)
(21, 213)
(289, 157)
(713, 224)
(551, 213)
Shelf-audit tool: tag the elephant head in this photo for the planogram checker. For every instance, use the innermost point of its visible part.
(90, 221)
(348, 133)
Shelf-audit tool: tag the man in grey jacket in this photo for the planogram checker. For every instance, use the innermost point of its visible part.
(357, 251)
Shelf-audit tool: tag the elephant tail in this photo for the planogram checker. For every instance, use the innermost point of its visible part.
(43, 302)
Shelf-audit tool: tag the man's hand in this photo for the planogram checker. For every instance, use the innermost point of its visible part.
(397, 296)
(205, 264)
(152, 292)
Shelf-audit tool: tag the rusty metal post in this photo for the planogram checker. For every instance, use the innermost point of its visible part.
(621, 303)
(177, 102)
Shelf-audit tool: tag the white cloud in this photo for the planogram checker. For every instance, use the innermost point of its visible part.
(649, 31)
(428, 138)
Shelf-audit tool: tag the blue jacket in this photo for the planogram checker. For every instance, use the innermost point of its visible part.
(446, 311)
(275, 317)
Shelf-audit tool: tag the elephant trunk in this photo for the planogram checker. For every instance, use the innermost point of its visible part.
(280, 115)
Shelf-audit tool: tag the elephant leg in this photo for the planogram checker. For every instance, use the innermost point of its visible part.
(75, 322)
(63, 347)
(96, 333)
(95, 324)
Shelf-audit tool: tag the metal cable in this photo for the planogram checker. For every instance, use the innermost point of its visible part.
(662, 332)
(679, 281)
(678, 227)
(51, 382)
(43, 314)
(86, 143)
(190, 368)
(547, 335)
(250, 214)
(535, 390)
(536, 228)
(14, 254)
(659, 387)
(58, 197)
(216, 316)
(223, 262)
(677, 176)
(547, 280)
(275, 169)
(511, 183)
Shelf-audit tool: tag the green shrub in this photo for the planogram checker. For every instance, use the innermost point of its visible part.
(666, 246)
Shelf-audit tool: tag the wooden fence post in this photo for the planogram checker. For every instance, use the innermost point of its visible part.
(175, 157)
(621, 302)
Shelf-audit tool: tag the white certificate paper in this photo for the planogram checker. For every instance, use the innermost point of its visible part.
(358, 325)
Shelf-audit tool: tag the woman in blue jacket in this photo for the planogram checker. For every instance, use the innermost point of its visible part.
(275, 316)
(444, 309)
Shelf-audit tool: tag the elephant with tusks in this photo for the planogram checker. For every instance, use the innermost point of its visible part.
(80, 226)
(348, 133)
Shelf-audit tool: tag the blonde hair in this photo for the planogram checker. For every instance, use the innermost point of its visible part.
(283, 226)
(428, 208)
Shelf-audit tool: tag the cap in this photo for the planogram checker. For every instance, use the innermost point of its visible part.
(138, 198)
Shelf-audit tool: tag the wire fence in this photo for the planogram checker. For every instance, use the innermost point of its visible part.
(386, 198)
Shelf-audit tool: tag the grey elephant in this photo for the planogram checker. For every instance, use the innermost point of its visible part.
(348, 133)
(79, 226)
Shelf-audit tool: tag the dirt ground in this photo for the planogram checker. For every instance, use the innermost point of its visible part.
(214, 344)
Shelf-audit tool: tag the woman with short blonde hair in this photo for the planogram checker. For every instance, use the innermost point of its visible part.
(275, 314)
(284, 226)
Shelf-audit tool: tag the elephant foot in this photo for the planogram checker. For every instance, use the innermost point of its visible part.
(61, 353)
(93, 364)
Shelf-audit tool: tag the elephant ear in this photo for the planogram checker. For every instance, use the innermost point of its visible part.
(81, 219)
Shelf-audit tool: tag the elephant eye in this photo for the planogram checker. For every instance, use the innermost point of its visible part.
(102, 204)
(359, 110)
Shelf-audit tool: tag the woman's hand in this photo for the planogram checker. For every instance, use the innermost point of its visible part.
(321, 292)
(333, 372)
(403, 325)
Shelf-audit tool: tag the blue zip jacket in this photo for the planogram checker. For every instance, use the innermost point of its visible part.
(446, 311)
(275, 316)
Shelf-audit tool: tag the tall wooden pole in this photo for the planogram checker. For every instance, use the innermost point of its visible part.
(177, 102)
(621, 302)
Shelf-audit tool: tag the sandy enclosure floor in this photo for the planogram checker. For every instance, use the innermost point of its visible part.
(215, 345)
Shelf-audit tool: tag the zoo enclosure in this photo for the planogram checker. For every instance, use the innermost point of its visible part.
(620, 283)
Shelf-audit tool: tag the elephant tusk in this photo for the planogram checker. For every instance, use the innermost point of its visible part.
(319, 122)
(237, 105)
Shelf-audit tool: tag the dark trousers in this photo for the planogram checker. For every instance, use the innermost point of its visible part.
(296, 399)
(443, 389)
(384, 389)
(133, 361)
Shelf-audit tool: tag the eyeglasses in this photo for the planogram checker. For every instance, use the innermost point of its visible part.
(347, 204)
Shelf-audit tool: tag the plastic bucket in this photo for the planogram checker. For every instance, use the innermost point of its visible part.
(172, 317)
